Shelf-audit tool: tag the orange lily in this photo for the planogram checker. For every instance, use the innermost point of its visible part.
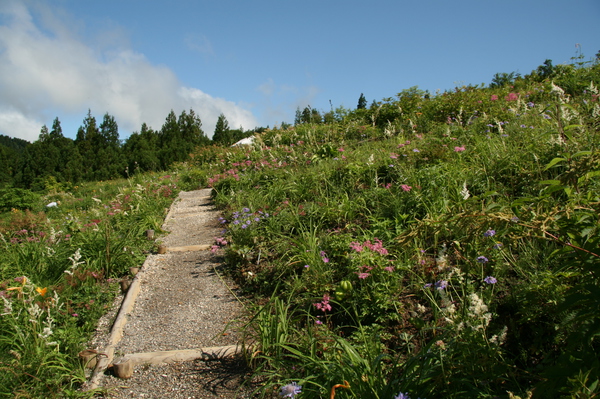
(346, 385)
(20, 289)
(42, 291)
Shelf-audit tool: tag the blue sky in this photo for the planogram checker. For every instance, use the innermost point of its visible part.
(257, 61)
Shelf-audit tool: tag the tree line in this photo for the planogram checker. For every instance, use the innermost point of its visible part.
(97, 152)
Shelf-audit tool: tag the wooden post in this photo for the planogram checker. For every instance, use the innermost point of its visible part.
(123, 368)
(162, 249)
(125, 283)
(88, 358)
(150, 234)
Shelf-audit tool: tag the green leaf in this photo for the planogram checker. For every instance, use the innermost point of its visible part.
(550, 182)
(554, 162)
(580, 153)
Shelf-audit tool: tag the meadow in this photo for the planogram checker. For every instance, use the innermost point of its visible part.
(60, 271)
(450, 250)
(428, 246)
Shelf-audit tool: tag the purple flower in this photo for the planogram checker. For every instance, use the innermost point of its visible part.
(489, 233)
(482, 259)
(402, 396)
(290, 390)
(442, 284)
(490, 280)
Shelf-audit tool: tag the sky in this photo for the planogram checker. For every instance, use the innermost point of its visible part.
(257, 61)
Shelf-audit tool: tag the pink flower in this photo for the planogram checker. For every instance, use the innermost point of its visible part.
(406, 187)
(324, 304)
(389, 268)
(511, 97)
(356, 246)
(459, 149)
(494, 97)
(363, 275)
(377, 247)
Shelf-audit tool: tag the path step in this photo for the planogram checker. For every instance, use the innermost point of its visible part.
(183, 355)
(189, 248)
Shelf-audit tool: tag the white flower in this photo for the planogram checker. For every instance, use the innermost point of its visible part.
(499, 340)
(596, 111)
(465, 192)
(478, 307)
(46, 333)
(7, 307)
(371, 160)
(557, 90)
(35, 311)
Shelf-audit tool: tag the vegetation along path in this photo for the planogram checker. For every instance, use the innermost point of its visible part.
(175, 335)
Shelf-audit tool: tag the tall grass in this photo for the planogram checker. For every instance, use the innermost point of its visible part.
(450, 251)
(59, 274)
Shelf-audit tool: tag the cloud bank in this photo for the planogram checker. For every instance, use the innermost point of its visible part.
(46, 70)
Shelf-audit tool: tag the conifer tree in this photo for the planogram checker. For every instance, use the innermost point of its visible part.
(142, 150)
(170, 142)
(222, 134)
(85, 142)
(109, 163)
(362, 102)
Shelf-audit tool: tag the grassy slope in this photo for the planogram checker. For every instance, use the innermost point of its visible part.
(439, 251)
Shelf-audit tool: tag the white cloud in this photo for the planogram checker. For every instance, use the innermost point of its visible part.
(14, 121)
(213, 107)
(46, 68)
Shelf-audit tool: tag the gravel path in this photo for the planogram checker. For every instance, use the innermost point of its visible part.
(183, 303)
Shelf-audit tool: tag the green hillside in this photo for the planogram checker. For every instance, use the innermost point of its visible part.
(431, 245)
(425, 245)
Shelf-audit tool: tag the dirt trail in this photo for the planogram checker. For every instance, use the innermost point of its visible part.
(183, 303)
